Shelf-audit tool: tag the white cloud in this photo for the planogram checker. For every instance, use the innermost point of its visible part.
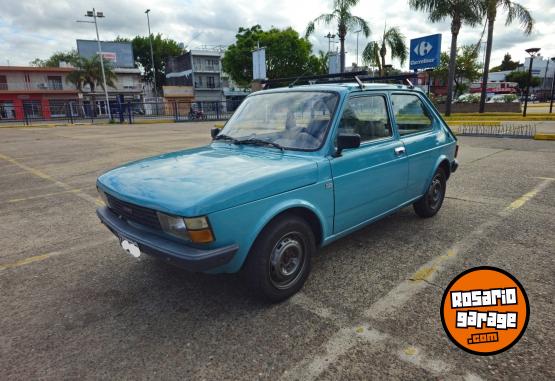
(34, 28)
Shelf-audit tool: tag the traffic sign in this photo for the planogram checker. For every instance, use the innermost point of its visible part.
(425, 52)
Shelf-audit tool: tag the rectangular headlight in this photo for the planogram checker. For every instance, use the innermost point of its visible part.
(103, 196)
(173, 225)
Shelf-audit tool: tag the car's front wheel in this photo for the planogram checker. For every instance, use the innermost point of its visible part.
(278, 263)
(431, 202)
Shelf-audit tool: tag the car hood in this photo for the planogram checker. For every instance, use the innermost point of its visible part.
(204, 180)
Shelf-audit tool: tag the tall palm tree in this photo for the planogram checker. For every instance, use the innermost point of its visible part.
(392, 38)
(460, 12)
(345, 20)
(371, 55)
(88, 72)
(514, 11)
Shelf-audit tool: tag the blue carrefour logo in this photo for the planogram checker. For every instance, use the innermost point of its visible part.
(425, 52)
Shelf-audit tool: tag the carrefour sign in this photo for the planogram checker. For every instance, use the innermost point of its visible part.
(425, 52)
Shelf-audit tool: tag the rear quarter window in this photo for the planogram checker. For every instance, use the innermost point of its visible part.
(411, 115)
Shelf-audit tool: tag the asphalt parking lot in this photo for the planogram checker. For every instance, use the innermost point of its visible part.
(73, 305)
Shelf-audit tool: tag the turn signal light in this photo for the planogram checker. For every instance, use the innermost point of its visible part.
(201, 236)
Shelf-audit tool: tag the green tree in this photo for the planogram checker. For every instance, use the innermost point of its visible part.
(371, 55)
(287, 54)
(460, 12)
(521, 77)
(467, 68)
(162, 49)
(489, 10)
(345, 20)
(506, 64)
(319, 63)
(375, 52)
(55, 59)
(88, 72)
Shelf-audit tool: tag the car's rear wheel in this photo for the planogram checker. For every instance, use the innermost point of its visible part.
(431, 202)
(278, 263)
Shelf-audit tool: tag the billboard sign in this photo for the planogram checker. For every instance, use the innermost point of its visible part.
(179, 70)
(119, 53)
(259, 64)
(425, 52)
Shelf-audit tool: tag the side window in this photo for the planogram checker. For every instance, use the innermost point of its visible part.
(366, 116)
(410, 114)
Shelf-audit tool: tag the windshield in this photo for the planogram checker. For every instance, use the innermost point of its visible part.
(292, 120)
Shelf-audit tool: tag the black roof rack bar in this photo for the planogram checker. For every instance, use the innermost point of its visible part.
(341, 78)
(346, 75)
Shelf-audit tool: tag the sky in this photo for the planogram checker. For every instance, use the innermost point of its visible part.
(32, 29)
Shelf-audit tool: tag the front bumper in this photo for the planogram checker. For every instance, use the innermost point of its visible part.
(454, 165)
(184, 256)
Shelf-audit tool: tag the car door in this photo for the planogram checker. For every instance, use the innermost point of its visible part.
(418, 130)
(370, 180)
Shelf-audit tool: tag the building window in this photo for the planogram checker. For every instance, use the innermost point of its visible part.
(3, 82)
(32, 109)
(7, 110)
(211, 82)
(54, 82)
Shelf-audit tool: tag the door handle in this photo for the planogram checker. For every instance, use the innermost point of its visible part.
(399, 151)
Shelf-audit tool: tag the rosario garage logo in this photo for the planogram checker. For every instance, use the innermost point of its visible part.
(485, 310)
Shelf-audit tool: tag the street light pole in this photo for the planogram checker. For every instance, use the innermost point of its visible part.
(552, 89)
(152, 56)
(330, 37)
(94, 14)
(532, 52)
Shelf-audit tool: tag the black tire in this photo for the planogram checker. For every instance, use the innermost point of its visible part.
(431, 202)
(278, 263)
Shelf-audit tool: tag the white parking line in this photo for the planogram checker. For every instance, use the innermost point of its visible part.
(387, 306)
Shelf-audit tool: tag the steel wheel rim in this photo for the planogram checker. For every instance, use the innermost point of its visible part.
(435, 193)
(287, 260)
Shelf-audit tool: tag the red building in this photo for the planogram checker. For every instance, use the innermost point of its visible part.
(35, 92)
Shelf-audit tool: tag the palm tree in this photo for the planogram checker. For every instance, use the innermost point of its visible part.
(514, 11)
(460, 12)
(345, 20)
(374, 53)
(88, 72)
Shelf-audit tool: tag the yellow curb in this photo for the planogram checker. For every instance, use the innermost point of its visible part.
(544, 137)
(481, 122)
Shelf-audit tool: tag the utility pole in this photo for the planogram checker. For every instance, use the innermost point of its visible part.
(94, 14)
(552, 89)
(152, 56)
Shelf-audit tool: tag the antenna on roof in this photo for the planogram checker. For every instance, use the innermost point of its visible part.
(409, 83)
(296, 79)
(360, 84)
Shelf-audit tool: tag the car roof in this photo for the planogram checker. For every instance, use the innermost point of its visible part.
(345, 87)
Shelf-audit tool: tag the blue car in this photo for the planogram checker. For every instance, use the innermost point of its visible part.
(294, 169)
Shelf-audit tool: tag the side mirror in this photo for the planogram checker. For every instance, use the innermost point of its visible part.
(345, 141)
(214, 132)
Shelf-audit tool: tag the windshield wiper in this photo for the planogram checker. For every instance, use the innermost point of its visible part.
(255, 141)
(226, 137)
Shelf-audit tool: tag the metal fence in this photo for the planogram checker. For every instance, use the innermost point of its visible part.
(509, 130)
(56, 111)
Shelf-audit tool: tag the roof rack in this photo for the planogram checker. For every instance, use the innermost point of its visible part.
(357, 76)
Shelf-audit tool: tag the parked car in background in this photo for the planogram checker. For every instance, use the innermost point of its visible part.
(294, 169)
